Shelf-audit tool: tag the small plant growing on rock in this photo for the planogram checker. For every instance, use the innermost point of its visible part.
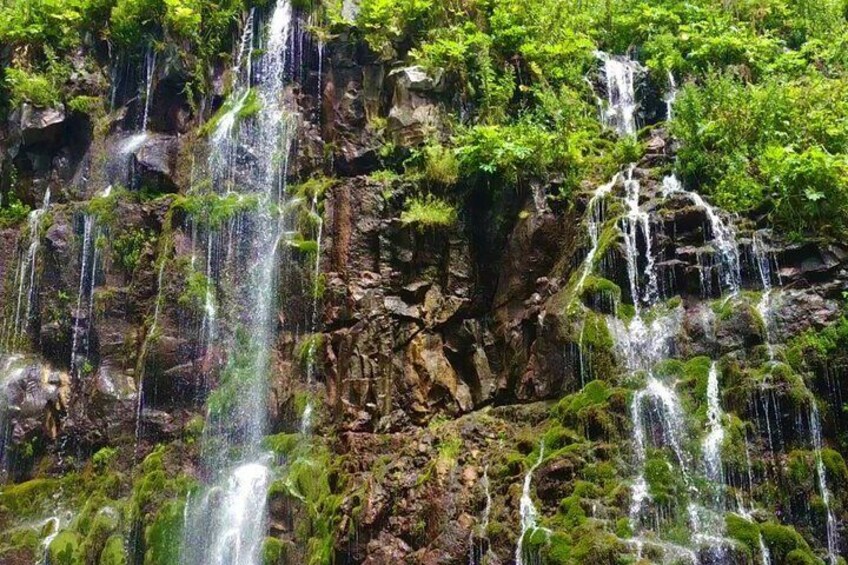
(429, 212)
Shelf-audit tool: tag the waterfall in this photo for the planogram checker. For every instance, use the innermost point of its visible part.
(82, 322)
(595, 212)
(226, 520)
(619, 110)
(763, 261)
(25, 276)
(306, 421)
(151, 334)
(723, 235)
(477, 552)
(634, 219)
(670, 97)
(136, 140)
(149, 68)
(832, 533)
(11, 369)
(710, 520)
(527, 510)
(715, 430)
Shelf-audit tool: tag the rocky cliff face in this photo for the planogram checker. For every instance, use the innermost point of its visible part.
(437, 394)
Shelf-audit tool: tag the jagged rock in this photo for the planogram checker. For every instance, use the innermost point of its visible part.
(431, 380)
(414, 115)
(415, 78)
(738, 326)
(111, 384)
(32, 396)
(36, 125)
(794, 311)
(155, 161)
(386, 549)
(398, 307)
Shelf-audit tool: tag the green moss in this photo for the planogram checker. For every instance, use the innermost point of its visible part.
(104, 209)
(274, 552)
(570, 513)
(428, 212)
(665, 482)
(162, 536)
(104, 457)
(282, 444)
(29, 498)
(64, 549)
(213, 210)
(97, 522)
(558, 550)
(801, 557)
(801, 468)
(24, 541)
(744, 531)
(782, 540)
(91, 105)
(595, 287)
(113, 551)
(837, 472)
(595, 546)
(595, 332)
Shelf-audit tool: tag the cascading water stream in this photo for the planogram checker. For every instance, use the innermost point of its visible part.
(136, 140)
(763, 260)
(715, 430)
(226, 520)
(670, 97)
(476, 552)
(81, 331)
(595, 213)
(723, 235)
(25, 280)
(151, 334)
(634, 219)
(527, 509)
(832, 529)
(619, 113)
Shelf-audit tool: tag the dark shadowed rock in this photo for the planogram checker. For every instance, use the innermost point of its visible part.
(156, 162)
(37, 125)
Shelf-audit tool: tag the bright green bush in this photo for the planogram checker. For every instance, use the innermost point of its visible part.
(35, 88)
(429, 212)
(782, 143)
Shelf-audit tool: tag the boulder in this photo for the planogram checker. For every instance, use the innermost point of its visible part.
(37, 125)
(155, 161)
(415, 114)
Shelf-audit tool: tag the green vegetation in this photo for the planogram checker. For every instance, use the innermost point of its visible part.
(308, 480)
(40, 33)
(12, 211)
(429, 212)
(213, 210)
(130, 244)
(789, 150)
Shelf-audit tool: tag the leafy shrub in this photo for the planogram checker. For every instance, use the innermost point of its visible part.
(12, 211)
(35, 88)
(428, 212)
(440, 165)
(781, 142)
(86, 104)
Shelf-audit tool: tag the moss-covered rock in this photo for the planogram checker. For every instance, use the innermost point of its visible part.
(114, 552)
(65, 549)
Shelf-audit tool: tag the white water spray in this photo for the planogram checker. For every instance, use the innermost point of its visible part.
(621, 106)
(527, 509)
